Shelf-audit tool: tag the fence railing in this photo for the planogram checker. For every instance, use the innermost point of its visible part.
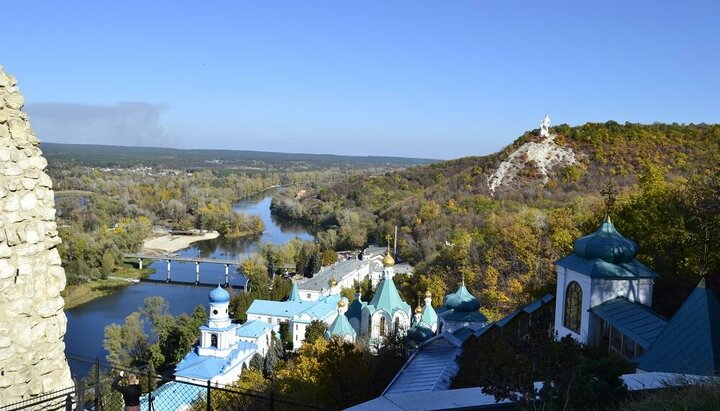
(63, 399)
(162, 393)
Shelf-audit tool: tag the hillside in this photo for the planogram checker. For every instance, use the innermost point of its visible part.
(505, 243)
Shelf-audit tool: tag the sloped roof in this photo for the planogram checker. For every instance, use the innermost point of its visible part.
(206, 367)
(340, 327)
(606, 244)
(355, 309)
(690, 343)
(461, 300)
(294, 293)
(290, 309)
(606, 254)
(253, 329)
(431, 368)
(429, 316)
(632, 319)
(387, 299)
(598, 268)
(530, 308)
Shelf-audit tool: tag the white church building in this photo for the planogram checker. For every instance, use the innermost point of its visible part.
(225, 349)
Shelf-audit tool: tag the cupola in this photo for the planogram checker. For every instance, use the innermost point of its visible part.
(606, 244)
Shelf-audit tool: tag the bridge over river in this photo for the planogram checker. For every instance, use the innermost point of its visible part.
(170, 258)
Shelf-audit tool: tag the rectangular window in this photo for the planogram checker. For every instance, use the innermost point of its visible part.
(296, 327)
(308, 296)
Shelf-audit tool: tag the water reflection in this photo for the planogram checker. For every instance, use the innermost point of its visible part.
(86, 324)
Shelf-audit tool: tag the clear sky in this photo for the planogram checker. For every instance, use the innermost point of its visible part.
(440, 79)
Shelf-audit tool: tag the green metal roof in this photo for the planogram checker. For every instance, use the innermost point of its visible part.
(340, 327)
(387, 299)
(461, 300)
(606, 254)
(690, 343)
(294, 293)
(355, 309)
(606, 244)
(632, 319)
(429, 316)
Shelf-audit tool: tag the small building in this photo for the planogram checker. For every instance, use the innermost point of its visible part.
(298, 313)
(386, 313)
(602, 267)
(222, 354)
(460, 309)
(340, 327)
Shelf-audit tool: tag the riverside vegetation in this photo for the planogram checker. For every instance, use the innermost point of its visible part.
(105, 212)
(504, 246)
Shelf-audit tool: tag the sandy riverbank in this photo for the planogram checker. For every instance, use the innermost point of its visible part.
(169, 243)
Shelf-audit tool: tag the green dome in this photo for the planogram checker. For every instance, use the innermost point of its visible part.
(461, 300)
(606, 244)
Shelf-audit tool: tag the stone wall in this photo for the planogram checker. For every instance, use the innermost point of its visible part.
(32, 321)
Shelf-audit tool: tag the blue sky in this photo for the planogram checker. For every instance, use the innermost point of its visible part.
(441, 79)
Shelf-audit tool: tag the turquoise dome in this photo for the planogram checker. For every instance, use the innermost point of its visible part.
(606, 244)
(219, 295)
(461, 300)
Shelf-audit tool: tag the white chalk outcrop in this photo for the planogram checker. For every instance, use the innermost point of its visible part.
(544, 155)
(32, 321)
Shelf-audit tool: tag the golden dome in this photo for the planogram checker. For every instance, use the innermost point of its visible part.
(418, 310)
(341, 303)
(333, 282)
(388, 261)
(428, 293)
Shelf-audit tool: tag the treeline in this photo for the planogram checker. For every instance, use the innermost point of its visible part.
(103, 214)
(505, 247)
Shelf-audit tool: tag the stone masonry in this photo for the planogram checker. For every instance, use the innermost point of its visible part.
(32, 321)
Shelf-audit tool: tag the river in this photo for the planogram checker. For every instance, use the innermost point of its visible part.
(86, 323)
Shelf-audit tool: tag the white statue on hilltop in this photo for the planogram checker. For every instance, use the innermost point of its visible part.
(544, 127)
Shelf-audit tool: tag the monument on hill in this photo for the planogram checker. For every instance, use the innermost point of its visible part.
(32, 321)
(545, 127)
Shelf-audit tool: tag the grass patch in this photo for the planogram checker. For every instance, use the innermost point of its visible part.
(79, 294)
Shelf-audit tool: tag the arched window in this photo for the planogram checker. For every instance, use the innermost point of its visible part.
(382, 326)
(573, 306)
(213, 340)
(397, 325)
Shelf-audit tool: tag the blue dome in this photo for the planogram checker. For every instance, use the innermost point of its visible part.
(606, 244)
(219, 295)
(461, 300)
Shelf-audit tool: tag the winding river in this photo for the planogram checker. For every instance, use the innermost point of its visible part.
(86, 323)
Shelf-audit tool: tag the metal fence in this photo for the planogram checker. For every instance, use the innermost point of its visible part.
(94, 392)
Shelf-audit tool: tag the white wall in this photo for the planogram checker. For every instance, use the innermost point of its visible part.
(564, 278)
(595, 292)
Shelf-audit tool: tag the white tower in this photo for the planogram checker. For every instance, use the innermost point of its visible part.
(218, 336)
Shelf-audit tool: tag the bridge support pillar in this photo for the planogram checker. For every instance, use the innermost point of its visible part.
(197, 273)
(227, 275)
(168, 271)
(140, 263)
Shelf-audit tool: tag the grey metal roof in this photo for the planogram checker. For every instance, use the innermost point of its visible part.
(690, 343)
(338, 270)
(431, 368)
(530, 308)
(460, 399)
(632, 319)
(598, 268)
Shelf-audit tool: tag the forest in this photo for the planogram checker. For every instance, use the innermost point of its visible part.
(505, 246)
(105, 212)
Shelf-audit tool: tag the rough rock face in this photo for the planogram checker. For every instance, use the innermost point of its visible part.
(545, 155)
(32, 321)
